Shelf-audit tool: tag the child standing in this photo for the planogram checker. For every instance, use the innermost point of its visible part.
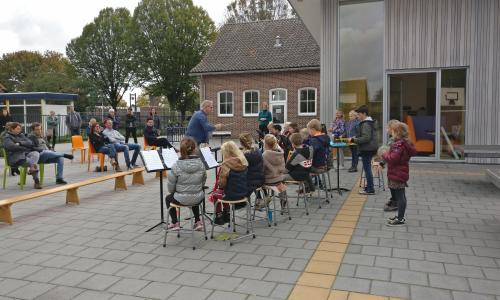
(392, 204)
(352, 130)
(398, 169)
(338, 131)
(300, 163)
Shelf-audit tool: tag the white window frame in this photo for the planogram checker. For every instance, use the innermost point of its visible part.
(218, 104)
(315, 101)
(278, 89)
(245, 114)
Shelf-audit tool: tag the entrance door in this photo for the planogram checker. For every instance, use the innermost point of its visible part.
(412, 100)
(278, 105)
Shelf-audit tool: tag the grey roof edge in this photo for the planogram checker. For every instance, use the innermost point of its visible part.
(256, 71)
(38, 95)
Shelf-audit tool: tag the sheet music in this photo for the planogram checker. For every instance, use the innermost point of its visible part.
(169, 157)
(152, 160)
(208, 157)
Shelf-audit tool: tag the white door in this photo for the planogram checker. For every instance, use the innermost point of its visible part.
(278, 105)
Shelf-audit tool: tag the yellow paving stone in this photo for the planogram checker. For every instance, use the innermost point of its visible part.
(392, 298)
(348, 224)
(340, 230)
(333, 247)
(343, 217)
(338, 295)
(359, 296)
(337, 238)
(352, 208)
(328, 256)
(347, 212)
(322, 267)
(316, 280)
(301, 292)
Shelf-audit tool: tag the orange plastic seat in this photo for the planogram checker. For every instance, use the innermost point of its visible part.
(100, 157)
(147, 146)
(422, 146)
(77, 144)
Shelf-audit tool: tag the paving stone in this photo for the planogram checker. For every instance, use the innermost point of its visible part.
(219, 295)
(256, 287)
(71, 278)
(298, 264)
(191, 279)
(134, 271)
(99, 282)
(228, 283)
(464, 271)
(347, 270)
(426, 293)
(222, 256)
(93, 295)
(376, 250)
(276, 262)
(359, 259)
(158, 290)
(375, 273)
(190, 293)
(391, 289)
(298, 253)
(390, 262)
(448, 282)
(457, 295)
(165, 261)
(410, 277)
(128, 286)
(282, 291)
(31, 290)
(441, 257)
(21, 271)
(493, 274)
(83, 264)
(408, 253)
(9, 285)
(59, 261)
(115, 255)
(426, 266)
(282, 276)
(427, 246)
(108, 267)
(192, 265)
(60, 293)
(251, 272)
(354, 249)
(482, 286)
(46, 274)
(457, 249)
(477, 261)
(247, 259)
(352, 284)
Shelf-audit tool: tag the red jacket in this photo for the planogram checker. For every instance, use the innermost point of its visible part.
(397, 159)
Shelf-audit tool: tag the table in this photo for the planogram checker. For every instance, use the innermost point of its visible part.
(222, 135)
(338, 146)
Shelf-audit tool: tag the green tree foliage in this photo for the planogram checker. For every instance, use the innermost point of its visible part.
(104, 54)
(240, 11)
(173, 36)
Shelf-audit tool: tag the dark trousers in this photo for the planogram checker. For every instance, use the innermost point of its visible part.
(173, 212)
(75, 131)
(130, 131)
(163, 142)
(400, 198)
(52, 139)
(355, 156)
(366, 158)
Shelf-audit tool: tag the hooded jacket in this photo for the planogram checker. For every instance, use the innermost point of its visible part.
(233, 179)
(367, 139)
(17, 146)
(320, 145)
(299, 164)
(274, 166)
(255, 171)
(186, 180)
(397, 159)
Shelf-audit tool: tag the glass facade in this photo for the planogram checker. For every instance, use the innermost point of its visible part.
(361, 50)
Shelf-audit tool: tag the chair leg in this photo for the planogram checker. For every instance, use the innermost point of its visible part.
(274, 209)
(6, 169)
(101, 162)
(22, 176)
(215, 215)
(166, 228)
(203, 222)
(192, 228)
(231, 208)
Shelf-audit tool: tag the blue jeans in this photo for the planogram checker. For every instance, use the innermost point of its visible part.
(109, 150)
(51, 157)
(366, 158)
(125, 148)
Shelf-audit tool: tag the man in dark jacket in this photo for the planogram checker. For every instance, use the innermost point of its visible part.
(130, 126)
(20, 151)
(116, 120)
(367, 145)
(199, 128)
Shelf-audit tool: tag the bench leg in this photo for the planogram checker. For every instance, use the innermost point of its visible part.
(72, 196)
(137, 178)
(5, 214)
(120, 183)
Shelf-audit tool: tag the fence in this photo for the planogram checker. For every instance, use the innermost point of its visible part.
(172, 126)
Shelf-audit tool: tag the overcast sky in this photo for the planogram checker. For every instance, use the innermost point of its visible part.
(51, 24)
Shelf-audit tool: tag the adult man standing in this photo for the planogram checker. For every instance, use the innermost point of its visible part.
(48, 156)
(367, 145)
(118, 140)
(130, 125)
(113, 117)
(73, 121)
(265, 117)
(199, 128)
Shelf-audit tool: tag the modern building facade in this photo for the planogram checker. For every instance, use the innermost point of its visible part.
(434, 64)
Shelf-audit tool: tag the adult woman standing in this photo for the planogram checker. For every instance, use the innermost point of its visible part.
(52, 123)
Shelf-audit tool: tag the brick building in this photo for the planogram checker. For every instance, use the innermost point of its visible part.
(273, 61)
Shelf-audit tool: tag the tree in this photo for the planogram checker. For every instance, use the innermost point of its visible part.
(174, 35)
(240, 11)
(105, 54)
(16, 67)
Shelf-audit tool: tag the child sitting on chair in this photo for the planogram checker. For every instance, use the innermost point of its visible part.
(232, 179)
(320, 143)
(185, 183)
(300, 162)
(274, 166)
(255, 173)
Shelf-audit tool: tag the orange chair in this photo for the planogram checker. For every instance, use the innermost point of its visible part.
(77, 144)
(422, 146)
(147, 146)
(100, 157)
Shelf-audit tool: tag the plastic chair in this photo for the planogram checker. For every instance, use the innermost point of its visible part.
(249, 224)
(147, 146)
(91, 153)
(6, 170)
(77, 144)
(42, 170)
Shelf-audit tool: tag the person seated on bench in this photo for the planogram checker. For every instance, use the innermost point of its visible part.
(118, 140)
(151, 134)
(48, 156)
(20, 151)
(98, 141)
(185, 184)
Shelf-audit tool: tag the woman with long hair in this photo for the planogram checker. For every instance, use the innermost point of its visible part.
(99, 143)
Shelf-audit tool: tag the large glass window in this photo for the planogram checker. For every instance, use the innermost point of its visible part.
(307, 102)
(251, 103)
(225, 101)
(361, 52)
(452, 103)
(278, 95)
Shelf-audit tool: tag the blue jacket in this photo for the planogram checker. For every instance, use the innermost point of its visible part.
(199, 128)
(320, 150)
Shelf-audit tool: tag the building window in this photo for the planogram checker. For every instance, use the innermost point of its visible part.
(225, 104)
(276, 95)
(307, 102)
(250, 103)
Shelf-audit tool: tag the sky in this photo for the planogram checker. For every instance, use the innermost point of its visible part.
(40, 25)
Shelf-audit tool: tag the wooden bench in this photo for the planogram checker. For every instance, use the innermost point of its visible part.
(485, 151)
(71, 191)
